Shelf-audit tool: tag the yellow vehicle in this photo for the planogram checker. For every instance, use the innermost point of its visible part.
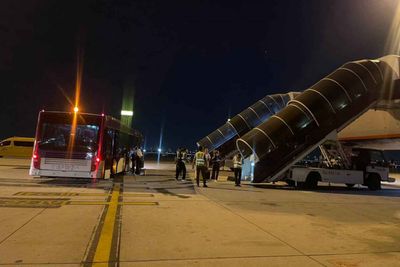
(20, 147)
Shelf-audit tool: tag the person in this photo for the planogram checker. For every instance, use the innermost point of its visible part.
(200, 161)
(207, 156)
(127, 159)
(208, 160)
(133, 159)
(180, 164)
(237, 168)
(215, 161)
(139, 159)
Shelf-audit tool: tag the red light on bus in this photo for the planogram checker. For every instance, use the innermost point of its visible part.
(95, 163)
(36, 161)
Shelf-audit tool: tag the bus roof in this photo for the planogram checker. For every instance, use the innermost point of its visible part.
(110, 121)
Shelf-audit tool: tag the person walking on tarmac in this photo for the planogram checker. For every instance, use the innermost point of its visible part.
(215, 161)
(201, 166)
(133, 159)
(207, 157)
(180, 164)
(237, 168)
(139, 160)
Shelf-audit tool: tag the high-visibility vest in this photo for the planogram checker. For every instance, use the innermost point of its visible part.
(199, 157)
(237, 163)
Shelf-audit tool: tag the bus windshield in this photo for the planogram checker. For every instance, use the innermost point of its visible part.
(56, 137)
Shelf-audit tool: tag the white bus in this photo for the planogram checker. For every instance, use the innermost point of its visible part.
(81, 145)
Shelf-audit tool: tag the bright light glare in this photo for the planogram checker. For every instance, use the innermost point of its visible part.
(159, 150)
(393, 41)
(144, 150)
(126, 112)
(76, 109)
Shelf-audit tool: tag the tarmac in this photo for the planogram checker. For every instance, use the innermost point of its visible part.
(154, 220)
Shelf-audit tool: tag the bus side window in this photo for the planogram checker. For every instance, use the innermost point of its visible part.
(116, 150)
(107, 152)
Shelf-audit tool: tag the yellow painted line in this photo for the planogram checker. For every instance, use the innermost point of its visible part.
(87, 203)
(73, 194)
(93, 194)
(139, 203)
(32, 203)
(103, 249)
(138, 195)
(108, 203)
(64, 194)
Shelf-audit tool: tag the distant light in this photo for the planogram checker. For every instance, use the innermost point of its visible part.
(252, 164)
(42, 110)
(102, 114)
(76, 109)
(97, 159)
(126, 112)
(144, 150)
(229, 120)
(159, 150)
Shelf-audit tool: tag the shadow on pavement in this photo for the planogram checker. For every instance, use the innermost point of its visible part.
(325, 189)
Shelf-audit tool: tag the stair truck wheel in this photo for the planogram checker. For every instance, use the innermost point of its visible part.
(374, 181)
(312, 180)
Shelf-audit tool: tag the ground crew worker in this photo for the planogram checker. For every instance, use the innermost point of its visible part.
(127, 159)
(139, 160)
(237, 168)
(201, 166)
(215, 161)
(180, 164)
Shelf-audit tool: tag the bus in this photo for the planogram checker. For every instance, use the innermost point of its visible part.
(81, 145)
(18, 147)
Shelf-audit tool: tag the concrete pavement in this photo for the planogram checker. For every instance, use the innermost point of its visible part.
(158, 221)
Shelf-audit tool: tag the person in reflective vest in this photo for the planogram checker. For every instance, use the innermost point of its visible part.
(180, 164)
(201, 166)
(237, 168)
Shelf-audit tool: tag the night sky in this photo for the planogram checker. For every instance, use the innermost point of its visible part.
(191, 64)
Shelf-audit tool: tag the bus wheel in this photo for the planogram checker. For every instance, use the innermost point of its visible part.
(290, 182)
(312, 180)
(374, 182)
(350, 185)
(103, 172)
